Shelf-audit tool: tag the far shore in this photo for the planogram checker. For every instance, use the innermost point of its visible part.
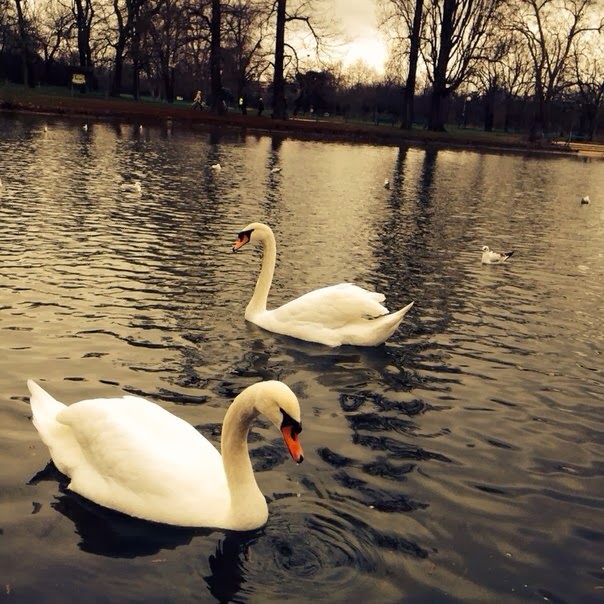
(22, 100)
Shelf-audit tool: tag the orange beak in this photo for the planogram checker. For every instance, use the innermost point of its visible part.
(243, 239)
(293, 444)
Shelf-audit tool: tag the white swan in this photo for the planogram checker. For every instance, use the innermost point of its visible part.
(334, 315)
(491, 257)
(131, 187)
(131, 455)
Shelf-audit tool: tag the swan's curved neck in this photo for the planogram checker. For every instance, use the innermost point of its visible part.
(258, 302)
(247, 501)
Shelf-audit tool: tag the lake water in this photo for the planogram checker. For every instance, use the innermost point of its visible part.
(461, 461)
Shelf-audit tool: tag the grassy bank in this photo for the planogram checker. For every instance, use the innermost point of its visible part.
(59, 101)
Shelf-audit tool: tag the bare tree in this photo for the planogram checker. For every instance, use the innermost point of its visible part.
(588, 67)
(310, 16)
(551, 29)
(457, 32)
(54, 25)
(83, 12)
(127, 17)
(244, 41)
(408, 15)
(216, 58)
(25, 43)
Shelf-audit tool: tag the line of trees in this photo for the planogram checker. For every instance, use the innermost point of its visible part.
(549, 51)
(450, 60)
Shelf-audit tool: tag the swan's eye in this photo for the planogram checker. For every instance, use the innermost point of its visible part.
(295, 427)
(245, 236)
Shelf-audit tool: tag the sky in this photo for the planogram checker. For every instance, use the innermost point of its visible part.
(358, 22)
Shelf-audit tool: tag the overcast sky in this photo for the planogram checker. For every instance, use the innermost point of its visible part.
(357, 20)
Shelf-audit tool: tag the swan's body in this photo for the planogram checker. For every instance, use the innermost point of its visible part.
(491, 257)
(334, 315)
(131, 187)
(131, 455)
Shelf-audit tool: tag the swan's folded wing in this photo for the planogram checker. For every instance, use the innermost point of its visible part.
(333, 306)
(137, 445)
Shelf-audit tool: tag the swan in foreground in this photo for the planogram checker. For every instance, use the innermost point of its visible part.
(334, 315)
(131, 455)
(490, 257)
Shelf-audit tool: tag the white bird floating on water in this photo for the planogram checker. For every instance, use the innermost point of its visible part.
(585, 199)
(490, 257)
(275, 170)
(386, 184)
(131, 455)
(85, 127)
(216, 167)
(131, 187)
(334, 315)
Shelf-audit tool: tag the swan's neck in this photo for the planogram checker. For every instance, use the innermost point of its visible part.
(247, 501)
(258, 302)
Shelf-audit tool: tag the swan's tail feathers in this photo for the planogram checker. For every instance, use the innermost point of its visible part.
(403, 311)
(44, 408)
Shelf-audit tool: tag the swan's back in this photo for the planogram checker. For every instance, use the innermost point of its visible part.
(131, 455)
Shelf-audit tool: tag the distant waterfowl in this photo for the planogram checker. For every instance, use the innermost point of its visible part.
(85, 127)
(131, 455)
(131, 187)
(334, 315)
(490, 257)
(275, 170)
(585, 199)
(386, 184)
(216, 167)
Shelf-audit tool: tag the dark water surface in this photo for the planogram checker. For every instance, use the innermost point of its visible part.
(462, 461)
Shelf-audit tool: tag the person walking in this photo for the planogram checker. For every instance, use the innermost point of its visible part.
(197, 101)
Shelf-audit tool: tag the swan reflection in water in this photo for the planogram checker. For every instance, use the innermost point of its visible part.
(108, 533)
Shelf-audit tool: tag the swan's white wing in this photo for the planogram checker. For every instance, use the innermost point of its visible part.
(332, 306)
(135, 457)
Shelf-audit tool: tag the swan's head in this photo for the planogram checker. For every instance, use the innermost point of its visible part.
(280, 405)
(485, 248)
(255, 231)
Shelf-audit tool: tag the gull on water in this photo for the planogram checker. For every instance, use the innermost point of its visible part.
(491, 257)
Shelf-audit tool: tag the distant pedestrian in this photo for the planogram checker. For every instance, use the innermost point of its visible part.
(243, 105)
(260, 106)
(197, 101)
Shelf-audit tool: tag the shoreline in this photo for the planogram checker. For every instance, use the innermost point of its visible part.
(297, 127)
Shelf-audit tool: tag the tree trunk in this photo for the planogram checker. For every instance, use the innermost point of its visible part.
(409, 92)
(436, 120)
(217, 104)
(279, 103)
(25, 46)
(116, 82)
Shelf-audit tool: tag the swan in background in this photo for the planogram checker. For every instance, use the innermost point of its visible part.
(386, 184)
(585, 199)
(334, 315)
(85, 127)
(131, 187)
(490, 257)
(131, 455)
(216, 167)
(275, 170)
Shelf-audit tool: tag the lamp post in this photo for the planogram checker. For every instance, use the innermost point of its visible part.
(463, 111)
